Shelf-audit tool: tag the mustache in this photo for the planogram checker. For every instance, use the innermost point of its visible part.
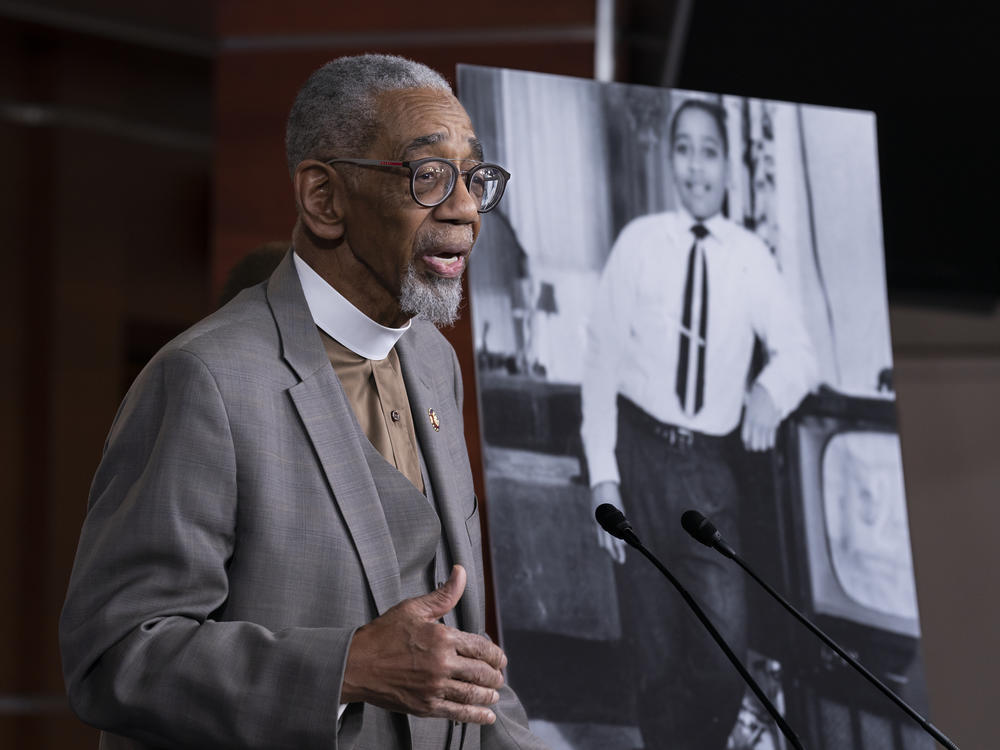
(441, 238)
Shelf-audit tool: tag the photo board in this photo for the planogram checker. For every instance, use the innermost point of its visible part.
(743, 369)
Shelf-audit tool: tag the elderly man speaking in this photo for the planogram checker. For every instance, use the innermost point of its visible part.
(282, 547)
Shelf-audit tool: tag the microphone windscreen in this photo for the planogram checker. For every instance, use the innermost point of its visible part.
(612, 520)
(700, 528)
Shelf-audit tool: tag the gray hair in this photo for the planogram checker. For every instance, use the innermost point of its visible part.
(334, 111)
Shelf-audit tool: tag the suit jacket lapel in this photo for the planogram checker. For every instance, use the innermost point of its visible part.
(429, 387)
(332, 428)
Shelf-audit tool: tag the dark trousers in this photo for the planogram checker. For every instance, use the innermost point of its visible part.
(688, 692)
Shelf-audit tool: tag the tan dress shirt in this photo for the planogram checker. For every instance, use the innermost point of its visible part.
(377, 393)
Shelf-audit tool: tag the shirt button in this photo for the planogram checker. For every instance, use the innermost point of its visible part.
(395, 415)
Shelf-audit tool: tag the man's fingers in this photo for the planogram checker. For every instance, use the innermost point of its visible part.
(460, 700)
(463, 712)
(476, 647)
(469, 694)
(476, 673)
(443, 599)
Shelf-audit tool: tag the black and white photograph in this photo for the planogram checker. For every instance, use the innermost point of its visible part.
(681, 305)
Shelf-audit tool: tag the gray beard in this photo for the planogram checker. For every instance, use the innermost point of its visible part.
(431, 297)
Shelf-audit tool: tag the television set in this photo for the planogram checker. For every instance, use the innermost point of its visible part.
(844, 546)
(855, 523)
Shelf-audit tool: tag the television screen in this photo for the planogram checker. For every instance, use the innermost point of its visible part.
(866, 525)
(860, 567)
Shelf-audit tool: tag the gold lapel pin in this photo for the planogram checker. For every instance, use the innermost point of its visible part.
(435, 422)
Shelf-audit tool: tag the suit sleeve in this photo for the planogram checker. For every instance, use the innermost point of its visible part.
(142, 654)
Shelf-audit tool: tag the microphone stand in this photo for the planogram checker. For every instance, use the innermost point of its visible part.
(626, 533)
(715, 540)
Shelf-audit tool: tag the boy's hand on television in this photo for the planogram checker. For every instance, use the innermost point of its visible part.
(760, 420)
(607, 492)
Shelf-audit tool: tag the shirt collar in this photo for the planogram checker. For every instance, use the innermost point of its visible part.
(341, 320)
(715, 224)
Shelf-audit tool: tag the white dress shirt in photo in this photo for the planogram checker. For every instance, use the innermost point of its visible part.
(633, 332)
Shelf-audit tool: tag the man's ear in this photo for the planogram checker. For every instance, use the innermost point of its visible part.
(320, 194)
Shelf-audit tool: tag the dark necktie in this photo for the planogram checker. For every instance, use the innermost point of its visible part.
(692, 399)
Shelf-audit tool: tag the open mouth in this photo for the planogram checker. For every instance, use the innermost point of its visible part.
(698, 189)
(445, 264)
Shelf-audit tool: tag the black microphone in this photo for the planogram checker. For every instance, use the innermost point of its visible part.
(704, 531)
(613, 521)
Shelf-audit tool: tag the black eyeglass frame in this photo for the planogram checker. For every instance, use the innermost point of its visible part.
(416, 163)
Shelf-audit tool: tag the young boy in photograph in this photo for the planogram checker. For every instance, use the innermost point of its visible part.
(681, 300)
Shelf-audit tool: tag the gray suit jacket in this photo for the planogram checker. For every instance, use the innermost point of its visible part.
(235, 540)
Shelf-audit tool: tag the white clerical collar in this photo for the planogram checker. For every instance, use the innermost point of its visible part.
(341, 320)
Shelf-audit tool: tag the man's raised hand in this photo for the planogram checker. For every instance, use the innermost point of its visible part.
(406, 660)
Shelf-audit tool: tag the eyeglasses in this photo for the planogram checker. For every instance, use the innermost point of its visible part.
(432, 180)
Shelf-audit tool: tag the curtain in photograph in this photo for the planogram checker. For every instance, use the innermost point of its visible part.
(829, 239)
(567, 169)
(552, 132)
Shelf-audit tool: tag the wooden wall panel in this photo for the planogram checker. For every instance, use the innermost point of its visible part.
(153, 18)
(263, 18)
(105, 224)
(117, 255)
